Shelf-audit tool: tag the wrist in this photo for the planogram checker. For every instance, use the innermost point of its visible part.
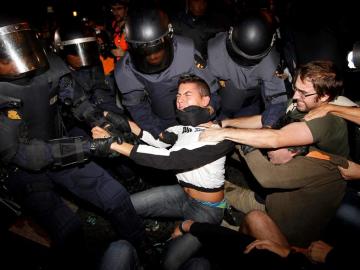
(181, 228)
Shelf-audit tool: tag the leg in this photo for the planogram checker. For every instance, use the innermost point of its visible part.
(259, 225)
(242, 198)
(163, 201)
(120, 255)
(93, 184)
(196, 263)
(182, 248)
(35, 193)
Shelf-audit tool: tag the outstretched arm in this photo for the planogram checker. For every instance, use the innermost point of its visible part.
(348, 113)
(293, 134)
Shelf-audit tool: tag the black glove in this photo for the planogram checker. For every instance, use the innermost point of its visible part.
(86, 111)
(119, 123)
(168, 137)
(119, 126)
(246, 149)
(101, 147)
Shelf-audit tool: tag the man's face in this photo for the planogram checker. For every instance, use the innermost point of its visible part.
(74, 61)
(156, 58)
(197, 7)
(119, 11)
(8, 67)
(306, 96)
(188, 95)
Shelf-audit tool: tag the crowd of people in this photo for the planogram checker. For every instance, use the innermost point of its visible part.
(180, 94)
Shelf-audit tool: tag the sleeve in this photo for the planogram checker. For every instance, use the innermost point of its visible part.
(343, 256)
(135, 99)
(149, 139)
(273, 90)
(183, 159)
(294, 174)
(103, 95)
(143, 115)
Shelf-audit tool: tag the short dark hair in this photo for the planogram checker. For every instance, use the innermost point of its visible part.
(192, 78)
(324, 77)
(119, 2)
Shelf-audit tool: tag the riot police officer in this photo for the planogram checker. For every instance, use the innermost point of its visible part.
(148, 73)
(85, 90)
(36, 153)
(245, 61)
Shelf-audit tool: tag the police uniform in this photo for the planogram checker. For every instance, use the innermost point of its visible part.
(246, 90)
(29, 152)
(150, 98)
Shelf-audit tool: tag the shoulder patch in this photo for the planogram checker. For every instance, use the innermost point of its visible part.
(200, 63)
(12, 114)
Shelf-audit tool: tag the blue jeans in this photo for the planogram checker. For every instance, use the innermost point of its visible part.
(120, 255)
(173, 202)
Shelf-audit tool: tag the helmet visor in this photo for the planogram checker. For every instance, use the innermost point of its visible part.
(20, 52)
(140, 52)
(84, 49)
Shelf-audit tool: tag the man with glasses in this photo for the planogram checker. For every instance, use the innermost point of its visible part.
(315, 83)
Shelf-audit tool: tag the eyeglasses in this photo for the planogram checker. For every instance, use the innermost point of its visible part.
(302, 93)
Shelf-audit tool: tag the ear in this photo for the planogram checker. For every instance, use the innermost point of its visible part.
(324, 98)
(205, 100)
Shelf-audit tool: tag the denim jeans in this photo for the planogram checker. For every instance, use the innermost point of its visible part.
(173, 202)
(120, 255)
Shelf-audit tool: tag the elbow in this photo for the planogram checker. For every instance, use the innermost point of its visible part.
(274, 143)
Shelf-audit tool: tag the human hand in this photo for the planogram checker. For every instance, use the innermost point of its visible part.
(99, 133)
(280, 156)
(212, 135)
(118, 122)
(101, 147)
(211, 124)
(274, 247)
(318, 112)
(168, 137)
(318, 251)
(352, 172)
(185, 226)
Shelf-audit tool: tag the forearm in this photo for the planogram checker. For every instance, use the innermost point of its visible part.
(144, 117)
(259, 138)
(123, 149)
(253, 121)
(349, 113)
(182, 159)
(135, 128)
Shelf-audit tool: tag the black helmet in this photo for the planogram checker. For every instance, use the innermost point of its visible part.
(21, 53)
(74, 39)
(148, 32)
(251, 39)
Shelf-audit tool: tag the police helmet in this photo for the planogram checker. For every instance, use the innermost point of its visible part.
(251, 39)
(149, 32)
(76, 41)
(21, 53)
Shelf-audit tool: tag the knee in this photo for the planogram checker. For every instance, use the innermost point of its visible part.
(119, 255)
(254, 218)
